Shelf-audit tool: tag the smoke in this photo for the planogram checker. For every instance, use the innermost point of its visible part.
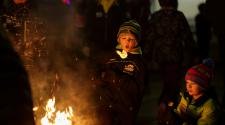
(62, 71)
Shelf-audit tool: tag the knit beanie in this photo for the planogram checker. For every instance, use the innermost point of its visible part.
(201, 74)
(132, 27)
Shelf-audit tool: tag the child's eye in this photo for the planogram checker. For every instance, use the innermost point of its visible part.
(131, 40)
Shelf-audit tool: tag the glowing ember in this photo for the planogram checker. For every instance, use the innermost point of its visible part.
(54, 117)
(35, 108)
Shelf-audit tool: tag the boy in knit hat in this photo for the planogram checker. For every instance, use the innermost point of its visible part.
(197, 105)
(123, 79)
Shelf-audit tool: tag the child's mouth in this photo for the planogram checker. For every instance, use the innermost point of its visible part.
(189, 91)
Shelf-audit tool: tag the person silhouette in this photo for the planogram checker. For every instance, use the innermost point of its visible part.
(168, 39)
(104, 18)
(16, 98)
(213, 12)
(203, 32)
(169, 49)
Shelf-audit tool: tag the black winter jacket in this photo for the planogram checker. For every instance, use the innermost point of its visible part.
(123, 82)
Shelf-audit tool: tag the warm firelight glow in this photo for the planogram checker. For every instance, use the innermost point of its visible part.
(35, 108)
(54, 117)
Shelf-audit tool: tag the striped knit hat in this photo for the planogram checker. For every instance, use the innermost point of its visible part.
(201, 74)
(132, 27)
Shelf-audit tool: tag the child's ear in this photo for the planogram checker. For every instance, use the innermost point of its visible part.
(118, 39)
(136, 43)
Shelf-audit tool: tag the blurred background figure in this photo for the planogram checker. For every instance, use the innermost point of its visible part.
(104, 18)
(217, 19)
(24, 31)
(14, 14)
(139, 10)
(169, 38)
(203, 32)
(16, 98)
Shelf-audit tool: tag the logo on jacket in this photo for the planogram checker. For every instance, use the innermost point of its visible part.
(129, 69)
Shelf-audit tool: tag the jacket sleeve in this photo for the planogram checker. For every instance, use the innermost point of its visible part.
(183, 102)
(210, 114)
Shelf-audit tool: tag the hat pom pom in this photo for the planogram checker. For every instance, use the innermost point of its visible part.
(209, 63)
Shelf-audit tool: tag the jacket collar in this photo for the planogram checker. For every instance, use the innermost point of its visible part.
(200, 100)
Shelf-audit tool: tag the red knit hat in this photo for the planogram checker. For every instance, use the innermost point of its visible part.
(201, 74)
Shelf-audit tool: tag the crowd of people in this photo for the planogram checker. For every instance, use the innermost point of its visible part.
(125, 43)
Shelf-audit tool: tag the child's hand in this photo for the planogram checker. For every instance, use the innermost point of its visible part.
(186, 114)
(183, 108)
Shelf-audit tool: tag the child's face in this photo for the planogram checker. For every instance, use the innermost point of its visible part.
(127, 41)
(193, 88)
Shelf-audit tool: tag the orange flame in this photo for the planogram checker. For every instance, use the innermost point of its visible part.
(54, 117)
